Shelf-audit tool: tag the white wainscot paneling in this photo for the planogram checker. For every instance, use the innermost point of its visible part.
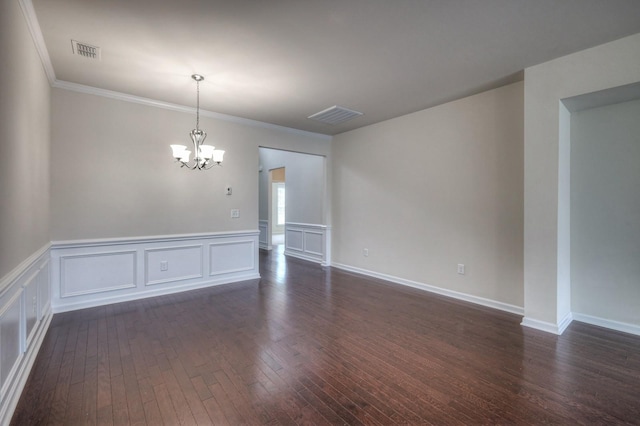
(263, 227)
(10, 337)
(25, 315)
(227, 257)
(167, 264)
(307, 241)
(99, 272)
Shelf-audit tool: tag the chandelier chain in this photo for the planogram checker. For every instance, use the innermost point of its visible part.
(197, 104)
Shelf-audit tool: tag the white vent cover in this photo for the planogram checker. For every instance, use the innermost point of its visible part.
(86, 50)
(335, 114)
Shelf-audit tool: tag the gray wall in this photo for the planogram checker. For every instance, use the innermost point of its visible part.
(605, 212)
(24, 142)
(113, 174)
(305, 185)
(426, 191)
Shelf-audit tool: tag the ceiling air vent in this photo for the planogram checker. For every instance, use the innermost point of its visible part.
(335, 114)
(86, 50)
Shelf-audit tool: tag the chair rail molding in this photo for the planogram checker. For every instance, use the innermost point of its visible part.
(91, 273)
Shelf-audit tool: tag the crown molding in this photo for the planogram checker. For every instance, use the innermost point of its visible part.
(36, 34)
(90, 90)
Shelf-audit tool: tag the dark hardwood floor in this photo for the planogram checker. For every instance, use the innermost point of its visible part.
(307, 345)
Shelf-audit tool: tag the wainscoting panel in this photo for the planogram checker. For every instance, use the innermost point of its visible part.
(10, 337)
(307, 241)
(99, 272)
(25, 315)
(294, 239)
(168, 264)
(263, 227)
(232, 256)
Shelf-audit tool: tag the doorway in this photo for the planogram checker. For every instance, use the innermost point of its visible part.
(277, 177)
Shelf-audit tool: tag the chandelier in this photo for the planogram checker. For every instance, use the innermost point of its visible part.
(205, 156)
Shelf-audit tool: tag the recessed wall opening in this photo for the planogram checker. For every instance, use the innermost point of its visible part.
(602, 207)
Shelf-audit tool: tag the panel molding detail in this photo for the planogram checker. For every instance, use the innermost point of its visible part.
(182, 263)
(307, 241)
(25, 315)
(263, 227)
(106, 271)
(228, 257)
(118, 270)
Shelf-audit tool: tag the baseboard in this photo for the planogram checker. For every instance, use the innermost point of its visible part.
(303, 257)
(437, 290)
(607, 323)
(548, 327)
(74, 306)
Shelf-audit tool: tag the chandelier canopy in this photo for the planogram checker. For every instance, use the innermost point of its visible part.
(205, 156)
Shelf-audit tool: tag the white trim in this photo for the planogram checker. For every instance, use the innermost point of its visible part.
(139, 248)
(63, 269)
(20, 379)
(564, 322)
(607, 323)
(153, 293)
(90, 90)
(306, 225)
(32, 271)
(231, 271)
(263, 227)
(548, 327)
(150, 239)
(437, 290)
(148, 282)
(22, 268)
(303, 251)
(36, 34)
(300, 255)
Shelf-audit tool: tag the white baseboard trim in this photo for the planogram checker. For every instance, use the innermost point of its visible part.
(607, 323)
(303, 257)
(548, 327)
(151, 293)
(437, 290)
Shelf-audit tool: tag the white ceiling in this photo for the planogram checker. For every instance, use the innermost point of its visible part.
(280, 61)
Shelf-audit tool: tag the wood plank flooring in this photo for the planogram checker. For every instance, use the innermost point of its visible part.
(307, 345)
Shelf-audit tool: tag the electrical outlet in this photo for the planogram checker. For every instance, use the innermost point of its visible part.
(229, 190)
(164, 265)
(365, 252)
(461, 268)
(235, 213)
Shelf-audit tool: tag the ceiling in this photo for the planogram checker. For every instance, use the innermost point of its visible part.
(280, 61)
